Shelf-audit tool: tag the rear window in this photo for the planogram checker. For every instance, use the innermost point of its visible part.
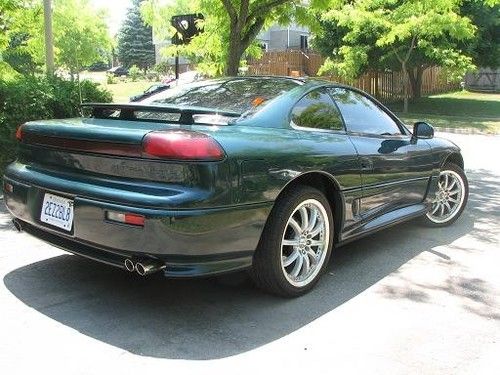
(238, 94)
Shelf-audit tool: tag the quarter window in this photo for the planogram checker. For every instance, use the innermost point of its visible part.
(317, 110)
(361, 115)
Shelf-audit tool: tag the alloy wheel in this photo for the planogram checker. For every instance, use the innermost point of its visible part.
(449, 197)
(305, 242)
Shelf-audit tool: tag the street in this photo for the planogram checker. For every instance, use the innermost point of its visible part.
(406, 300)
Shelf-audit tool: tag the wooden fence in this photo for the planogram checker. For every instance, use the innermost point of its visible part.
(386, 86)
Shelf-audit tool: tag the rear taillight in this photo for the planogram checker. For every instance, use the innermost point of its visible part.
(181, 145)
(19, 133)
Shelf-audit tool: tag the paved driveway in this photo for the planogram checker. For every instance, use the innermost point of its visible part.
(406, 300)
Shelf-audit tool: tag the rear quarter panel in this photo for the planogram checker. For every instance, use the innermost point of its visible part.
(267, 159)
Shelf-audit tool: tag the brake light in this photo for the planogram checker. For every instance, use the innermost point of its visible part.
(19, 133)
(182, 145)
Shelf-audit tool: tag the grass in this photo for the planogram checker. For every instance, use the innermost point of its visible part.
(461, 109)
(122, 91)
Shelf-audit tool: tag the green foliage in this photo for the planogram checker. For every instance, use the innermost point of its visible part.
(485, 48)
(375, 33)
(163, 68)
(8, 9)
(19, 57)
(407, 35)
(110, 79)
(29, 98)
(135, 40)
(230, 27)
(134, 72)
(6, 72)
(80, 35)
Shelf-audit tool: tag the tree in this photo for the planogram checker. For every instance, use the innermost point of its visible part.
(18, 56)
(485, 48)
(230, 27)
(135, 40)
(80, 35)
(7, 10)
(412, 34)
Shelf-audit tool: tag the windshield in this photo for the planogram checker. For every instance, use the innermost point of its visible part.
(234, 94)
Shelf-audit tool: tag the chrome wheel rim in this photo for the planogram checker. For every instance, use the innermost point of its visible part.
(305, 242)
(449, 197)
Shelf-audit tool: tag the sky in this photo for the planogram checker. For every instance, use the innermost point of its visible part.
(117, 10)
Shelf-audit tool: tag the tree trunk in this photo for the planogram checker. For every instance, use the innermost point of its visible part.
(235, 50)
(415, 76)
(233, 61)
(405, 87)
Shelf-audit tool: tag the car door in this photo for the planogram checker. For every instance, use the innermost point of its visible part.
(327, 147)
(395, 170)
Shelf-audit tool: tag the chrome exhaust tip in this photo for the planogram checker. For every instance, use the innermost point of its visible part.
(148, 266)
(129, 265)
(17, 225)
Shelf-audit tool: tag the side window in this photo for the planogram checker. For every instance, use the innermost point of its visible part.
(317, 110)
(361, 115)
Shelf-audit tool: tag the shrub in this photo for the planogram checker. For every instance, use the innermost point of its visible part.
(163, 68)
(152, 76)
(110, 79)
(30, 98)
(134, 72)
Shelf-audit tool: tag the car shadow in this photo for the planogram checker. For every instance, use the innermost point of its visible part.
(205, 319)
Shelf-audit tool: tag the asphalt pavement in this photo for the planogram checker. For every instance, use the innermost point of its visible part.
(405, 300)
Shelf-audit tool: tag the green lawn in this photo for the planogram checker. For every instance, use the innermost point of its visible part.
(122, 91)
(460, 109)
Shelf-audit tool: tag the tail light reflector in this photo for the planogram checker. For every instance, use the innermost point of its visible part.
(182, 145)
(125, 218)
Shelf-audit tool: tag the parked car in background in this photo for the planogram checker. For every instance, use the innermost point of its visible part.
(98, 67)
(186, 77)
(265, 174)
(151, 90)
(118, 71)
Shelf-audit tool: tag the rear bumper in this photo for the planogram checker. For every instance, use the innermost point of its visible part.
(191, 242)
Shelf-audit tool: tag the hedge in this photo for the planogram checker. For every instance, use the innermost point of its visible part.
(28, 98)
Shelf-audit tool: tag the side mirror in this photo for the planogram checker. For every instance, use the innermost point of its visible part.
(422, 130)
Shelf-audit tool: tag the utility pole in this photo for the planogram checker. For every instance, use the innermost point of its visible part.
(49, 38)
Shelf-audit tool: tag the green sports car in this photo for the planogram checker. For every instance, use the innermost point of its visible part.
(267, 174)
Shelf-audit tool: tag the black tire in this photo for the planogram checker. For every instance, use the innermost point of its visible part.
(267, 270)
(427, 221)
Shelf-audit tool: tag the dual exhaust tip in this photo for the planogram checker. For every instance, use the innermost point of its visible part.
(143, 267)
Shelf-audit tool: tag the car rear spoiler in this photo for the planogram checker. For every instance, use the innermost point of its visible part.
(128, 111)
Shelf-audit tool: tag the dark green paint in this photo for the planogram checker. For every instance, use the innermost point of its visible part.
(215, 211)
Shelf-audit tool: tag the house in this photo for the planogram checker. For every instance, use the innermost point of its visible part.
(276, 38)
(282, 38)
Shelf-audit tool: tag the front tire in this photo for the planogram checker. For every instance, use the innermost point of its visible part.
(296, 243)
(450, 199)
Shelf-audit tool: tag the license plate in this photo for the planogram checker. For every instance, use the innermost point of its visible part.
(57, 211)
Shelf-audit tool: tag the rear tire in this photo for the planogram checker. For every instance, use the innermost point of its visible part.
(450, 199)
(296, 244)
